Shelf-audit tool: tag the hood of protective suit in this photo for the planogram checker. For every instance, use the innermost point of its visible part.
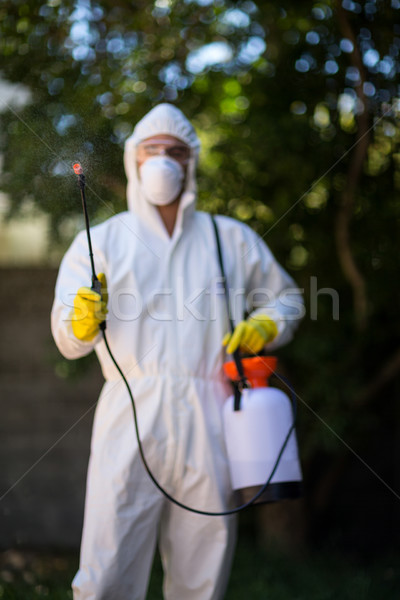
(162, 119)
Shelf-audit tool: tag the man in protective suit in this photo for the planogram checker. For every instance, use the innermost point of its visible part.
(166, 319)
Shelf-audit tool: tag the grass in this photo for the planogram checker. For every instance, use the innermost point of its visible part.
(256, 574)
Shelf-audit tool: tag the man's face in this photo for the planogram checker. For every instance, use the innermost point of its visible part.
(163, 144)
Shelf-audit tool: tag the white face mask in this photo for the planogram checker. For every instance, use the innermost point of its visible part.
(161, 179)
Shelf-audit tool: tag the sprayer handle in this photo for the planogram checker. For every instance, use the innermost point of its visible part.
(96, 285)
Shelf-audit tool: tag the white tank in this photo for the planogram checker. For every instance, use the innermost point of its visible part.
(254, 436)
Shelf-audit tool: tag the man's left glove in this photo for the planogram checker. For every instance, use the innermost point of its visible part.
(251, 336)
(90, 309)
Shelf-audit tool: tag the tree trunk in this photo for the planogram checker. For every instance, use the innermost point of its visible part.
(346, 209)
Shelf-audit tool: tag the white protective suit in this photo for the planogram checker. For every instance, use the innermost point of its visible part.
(167, 317)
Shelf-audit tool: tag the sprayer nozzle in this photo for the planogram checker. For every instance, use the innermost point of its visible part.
(77, 169)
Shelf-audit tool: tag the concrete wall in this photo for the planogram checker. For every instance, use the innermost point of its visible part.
(45, 421)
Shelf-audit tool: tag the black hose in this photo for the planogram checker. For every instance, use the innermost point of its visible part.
(158, 485)
(96, 285)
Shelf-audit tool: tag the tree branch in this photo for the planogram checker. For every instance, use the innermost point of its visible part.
(346, 209)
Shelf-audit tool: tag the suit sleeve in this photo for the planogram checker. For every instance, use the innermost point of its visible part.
(74, 272)
(270, 290)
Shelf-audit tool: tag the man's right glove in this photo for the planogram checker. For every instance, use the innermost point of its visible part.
(90, 309)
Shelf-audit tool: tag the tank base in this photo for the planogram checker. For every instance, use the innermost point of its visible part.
(275, 491)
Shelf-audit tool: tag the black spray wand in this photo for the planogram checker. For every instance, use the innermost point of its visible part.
(96, 284)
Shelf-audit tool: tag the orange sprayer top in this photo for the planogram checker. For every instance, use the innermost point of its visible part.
(78, 169)
(257, 370)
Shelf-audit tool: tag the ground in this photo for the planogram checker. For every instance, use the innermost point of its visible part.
(257, 574)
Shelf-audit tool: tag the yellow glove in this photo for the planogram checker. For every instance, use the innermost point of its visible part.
(251, 336)
(89, 311)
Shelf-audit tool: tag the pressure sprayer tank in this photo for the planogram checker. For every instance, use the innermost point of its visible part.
(255, 434)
